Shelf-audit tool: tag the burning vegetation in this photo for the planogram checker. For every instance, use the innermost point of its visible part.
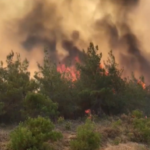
(71, 72)
(84, 84)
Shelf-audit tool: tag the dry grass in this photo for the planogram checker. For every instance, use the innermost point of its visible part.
(127, 146)
(113, 136)
(4, 138)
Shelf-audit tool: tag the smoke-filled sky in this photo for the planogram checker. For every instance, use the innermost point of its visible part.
(66, 27)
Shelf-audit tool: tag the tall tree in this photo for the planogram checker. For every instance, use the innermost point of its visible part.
(56, 86)
(15, 84)
(98, 85)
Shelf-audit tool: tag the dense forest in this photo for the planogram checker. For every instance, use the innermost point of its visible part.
(55, 92)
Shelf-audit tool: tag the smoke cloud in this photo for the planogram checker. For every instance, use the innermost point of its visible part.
(65, 27)
(122, 38)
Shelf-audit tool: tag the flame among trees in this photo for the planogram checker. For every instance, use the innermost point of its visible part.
(69, 90)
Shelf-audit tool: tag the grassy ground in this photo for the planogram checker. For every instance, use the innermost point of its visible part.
(114, 135)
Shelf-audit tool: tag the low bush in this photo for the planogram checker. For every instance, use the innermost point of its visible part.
(32, 135)
(117, 123)
(36, 104)
(68, 125)
(110, 132)
(137, 114)
(87, 138)
(60, 120)
(141, 130)
(137, 127)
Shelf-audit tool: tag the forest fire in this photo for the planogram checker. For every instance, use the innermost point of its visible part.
(69, 72)
(142, 84)
(45, 25)
(88, 112)
(102, 67)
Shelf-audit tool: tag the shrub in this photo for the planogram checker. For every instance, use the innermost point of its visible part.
(60, 120)
(117, 123)
(32, 134)
(68, 125)
(137, 114)
(141, 130)
(87, 138)
(138, 128)
(38, 104)
(111, 132)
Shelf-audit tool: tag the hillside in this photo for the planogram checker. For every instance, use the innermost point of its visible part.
(115, 134)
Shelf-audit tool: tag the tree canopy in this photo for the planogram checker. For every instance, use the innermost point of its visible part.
(99, 86)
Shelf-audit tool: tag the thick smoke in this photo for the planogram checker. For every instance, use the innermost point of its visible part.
(42, 25)
(121, 36)
(65, 27)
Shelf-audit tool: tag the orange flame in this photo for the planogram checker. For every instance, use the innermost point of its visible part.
(142, 84)
(69, 72)
(102, 67)
(88, 111)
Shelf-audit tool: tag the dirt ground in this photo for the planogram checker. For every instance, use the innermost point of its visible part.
(4, 137)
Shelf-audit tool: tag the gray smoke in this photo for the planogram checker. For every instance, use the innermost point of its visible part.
(42, 26)
(120, 35)
(68, 26)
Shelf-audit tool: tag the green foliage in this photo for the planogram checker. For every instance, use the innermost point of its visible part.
(117, 123)
(60, 120)
(68, 125)
(137, 114)
(56, 87)
(101, 89)
(137, 127)
(33, 134)
(87, 138)
(141, 130)
(97, 84)
(104, 89)
(15, 84)
(38, 104)
(135, 97)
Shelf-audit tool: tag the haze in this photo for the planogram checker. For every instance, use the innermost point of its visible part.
(66, 27)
